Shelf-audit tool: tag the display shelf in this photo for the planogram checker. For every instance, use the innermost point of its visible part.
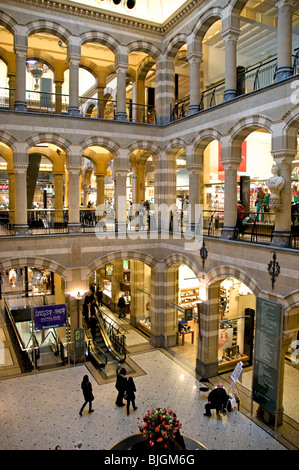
(230, 364)
(189, 297)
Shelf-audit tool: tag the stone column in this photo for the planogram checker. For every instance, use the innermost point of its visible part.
(164, 89)
(20, 86)
(12, 195)
(207, 357)
(58, 188)
(74, 198)
(230, 198)
(163, 318)
(73, 61)
(121, 72)
(100, 177)
(230, 37)
(194, 60)
(194, 195)
(283, 221)
(120, 199)
(58, 96)
(21, 221)
(12, 90)
(284, 39)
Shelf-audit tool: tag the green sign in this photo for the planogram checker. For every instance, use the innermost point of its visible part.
(267, 354)
(79, 341)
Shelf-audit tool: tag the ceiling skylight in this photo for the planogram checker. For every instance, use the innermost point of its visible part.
(151, 10)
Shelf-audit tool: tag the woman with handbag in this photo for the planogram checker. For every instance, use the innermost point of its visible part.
(87, 393)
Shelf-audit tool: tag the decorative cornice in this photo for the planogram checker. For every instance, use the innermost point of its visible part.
(113, 18)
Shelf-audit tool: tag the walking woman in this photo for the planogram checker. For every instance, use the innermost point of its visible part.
(87, 393)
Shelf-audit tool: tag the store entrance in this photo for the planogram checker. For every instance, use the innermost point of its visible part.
(236, 324)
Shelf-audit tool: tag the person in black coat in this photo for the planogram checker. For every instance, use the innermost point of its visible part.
(122, 305)
(130, 389)
(99, 294)
(87, 393)
(217, 398)
(121, 384)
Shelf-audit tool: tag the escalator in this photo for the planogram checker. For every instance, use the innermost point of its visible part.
(108, 342)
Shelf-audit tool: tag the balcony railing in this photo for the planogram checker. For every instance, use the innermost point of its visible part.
(41, 221)
(256, 228)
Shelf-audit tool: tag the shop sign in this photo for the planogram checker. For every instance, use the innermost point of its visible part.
(267, 354)
(188, 314)
(4, 187)
(50, 316)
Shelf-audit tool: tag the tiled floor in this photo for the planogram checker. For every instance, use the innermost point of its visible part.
(39, 411)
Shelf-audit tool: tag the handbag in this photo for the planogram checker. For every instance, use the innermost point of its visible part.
(125, 396)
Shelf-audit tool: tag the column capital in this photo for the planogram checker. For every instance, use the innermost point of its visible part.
(74, 170)
(20, 168)
(283, 3)
(230, 34)
(231, 164)
(194, 57)
(284, 155)
(194, 168)
(121, 171)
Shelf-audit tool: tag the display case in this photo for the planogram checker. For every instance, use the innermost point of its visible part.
(189, 297)
(229, 351)
(145, 325)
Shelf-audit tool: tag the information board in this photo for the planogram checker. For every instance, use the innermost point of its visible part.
(49, 316)
(267, 354)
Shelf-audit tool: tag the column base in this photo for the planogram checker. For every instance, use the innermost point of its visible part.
(229, 95)
(193, 109)
(20, 106)
(74, 228)
(161, 341)
(282, 73)
(228, 233)
(73, 111)
(121, 116)
(21, 230)
(281, 239)
(206, 369)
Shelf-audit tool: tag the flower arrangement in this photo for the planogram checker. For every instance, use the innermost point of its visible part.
(160, 427)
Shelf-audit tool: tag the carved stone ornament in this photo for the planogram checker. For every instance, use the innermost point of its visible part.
(275, 184)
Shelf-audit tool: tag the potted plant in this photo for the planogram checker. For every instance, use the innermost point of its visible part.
(161, 429)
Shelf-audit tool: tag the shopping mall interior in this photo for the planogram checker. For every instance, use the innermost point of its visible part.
(149, 152)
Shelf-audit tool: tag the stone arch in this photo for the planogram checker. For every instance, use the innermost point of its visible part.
(145, 47)
(206, 20)
(101, 38)
(104, 142)
(222, 272)
(175, 44)
(144, 145)
(124, 254)
(8, 139)
(245, 126)
(8, 22)
(291, 127)
(178, 259)
(46, 26)
(42, 263)
(204, 137)
(56, 139)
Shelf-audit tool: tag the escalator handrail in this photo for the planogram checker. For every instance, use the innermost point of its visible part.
(91, 341)
(110, 342)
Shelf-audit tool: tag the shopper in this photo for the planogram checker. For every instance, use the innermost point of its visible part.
(87, 393)
(92, 325)
(217, 399)
(130, 390)
(99, 294)
(121, 384)
(122, 305)
(240, 217)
